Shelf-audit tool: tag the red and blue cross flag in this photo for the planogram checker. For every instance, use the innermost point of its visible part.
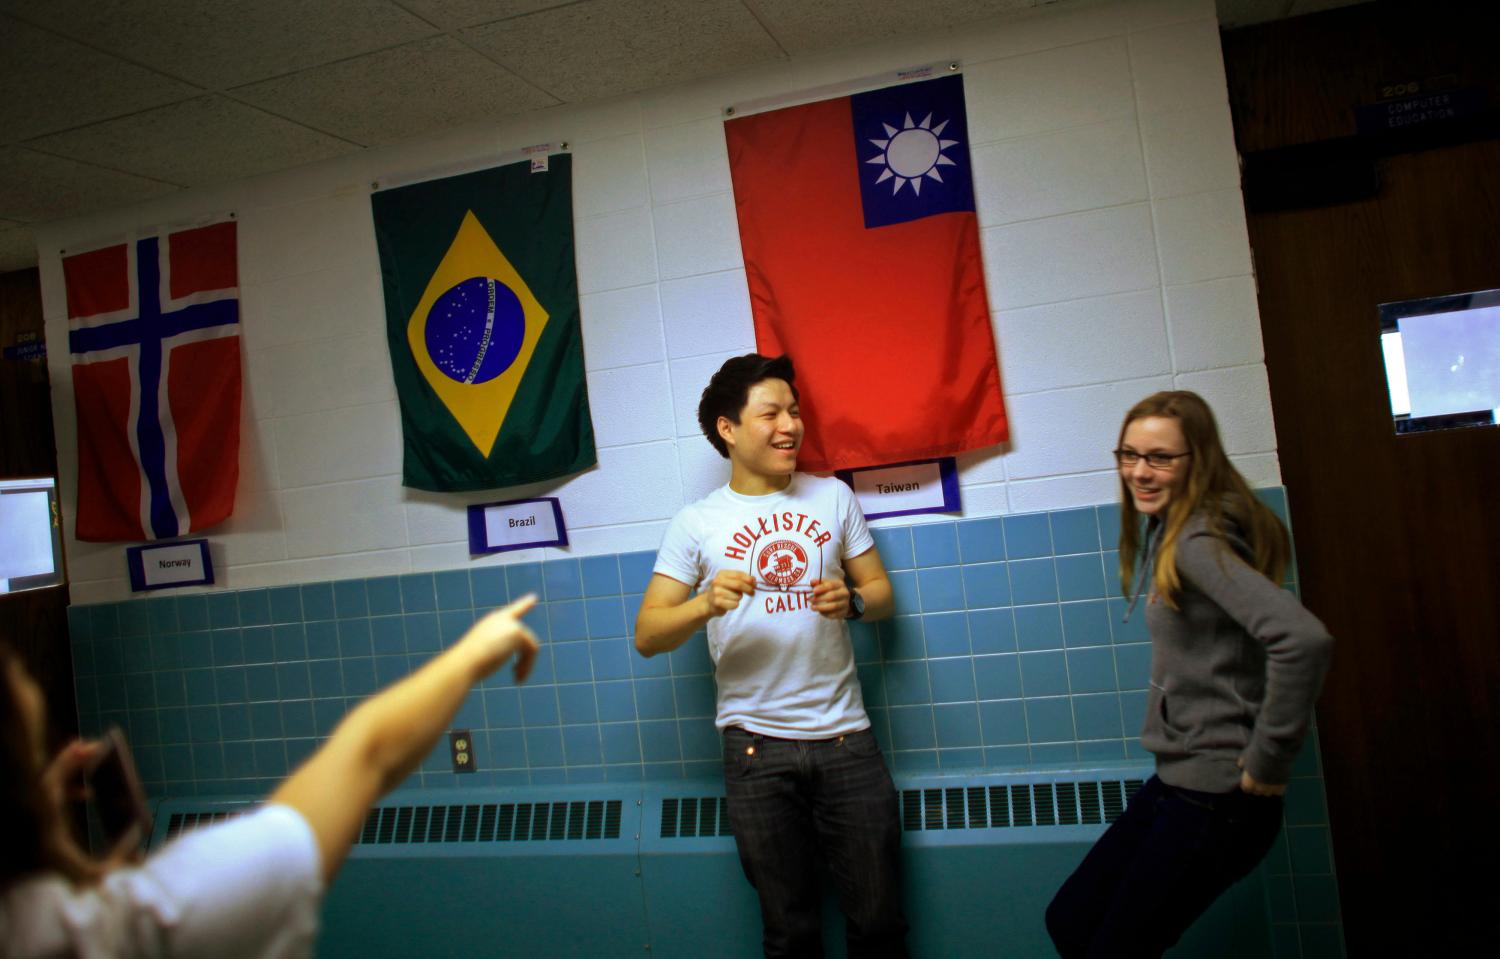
(154, 331)
(861, 245)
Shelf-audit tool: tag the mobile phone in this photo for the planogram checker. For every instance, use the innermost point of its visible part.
(116, 792)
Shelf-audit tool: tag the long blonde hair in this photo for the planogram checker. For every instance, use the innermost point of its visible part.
(1213, 488)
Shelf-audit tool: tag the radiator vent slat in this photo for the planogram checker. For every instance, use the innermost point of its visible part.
(961, 807)
(455, 824)
(1020, 806)
(1114, 800)
(688, 817)
(955, 805)
(1088, 803)
(978, 814)
(995, 806)
(181, 822)
(1067, 804)
(911, 810)
(999, 807)
(574, 820)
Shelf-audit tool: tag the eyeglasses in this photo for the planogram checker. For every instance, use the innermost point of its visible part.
(1157, 461)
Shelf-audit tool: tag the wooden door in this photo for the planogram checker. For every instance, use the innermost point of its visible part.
(1398, 538)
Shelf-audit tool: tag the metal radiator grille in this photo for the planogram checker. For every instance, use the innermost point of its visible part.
(581, 819)
(691, 816)
(1000, 807)
(181, 822)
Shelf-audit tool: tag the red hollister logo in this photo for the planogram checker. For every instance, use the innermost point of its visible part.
(745, 538)
(782, 563)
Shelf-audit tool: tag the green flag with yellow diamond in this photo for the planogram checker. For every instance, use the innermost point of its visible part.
(481, 305)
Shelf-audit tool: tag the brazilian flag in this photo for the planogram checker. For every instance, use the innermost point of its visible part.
(481, 305)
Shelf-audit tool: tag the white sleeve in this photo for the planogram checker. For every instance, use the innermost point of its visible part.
(857, 538)
(679, 556)
(247, 888)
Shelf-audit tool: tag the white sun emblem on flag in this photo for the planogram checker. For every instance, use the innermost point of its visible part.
(911, 153)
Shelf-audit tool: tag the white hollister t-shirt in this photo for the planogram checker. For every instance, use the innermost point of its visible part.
(782, 669)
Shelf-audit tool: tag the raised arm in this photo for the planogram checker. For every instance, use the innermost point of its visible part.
(382, 741)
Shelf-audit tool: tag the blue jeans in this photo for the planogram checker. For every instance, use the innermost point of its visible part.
(1158, 868)
(794, 804)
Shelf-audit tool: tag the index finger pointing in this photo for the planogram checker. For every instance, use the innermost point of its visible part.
(521, 606)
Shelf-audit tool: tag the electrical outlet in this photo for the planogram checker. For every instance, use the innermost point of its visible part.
(461, 747)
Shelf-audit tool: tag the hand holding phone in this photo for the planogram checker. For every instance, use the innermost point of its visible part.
(116, 792)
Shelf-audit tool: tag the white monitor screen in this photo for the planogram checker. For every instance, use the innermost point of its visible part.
(30, 535)
(1442, 361)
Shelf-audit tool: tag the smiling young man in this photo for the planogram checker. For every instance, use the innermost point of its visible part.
(781, 561)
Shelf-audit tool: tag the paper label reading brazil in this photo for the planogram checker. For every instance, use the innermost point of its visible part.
(900, 488)
(514, 524)
(164, 565)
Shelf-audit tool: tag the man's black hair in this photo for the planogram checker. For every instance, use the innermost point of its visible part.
(729, 390)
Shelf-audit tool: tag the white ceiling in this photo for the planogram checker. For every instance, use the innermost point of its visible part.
(109, 102)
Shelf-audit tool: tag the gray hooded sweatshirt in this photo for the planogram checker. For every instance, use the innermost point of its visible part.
(1235, 669)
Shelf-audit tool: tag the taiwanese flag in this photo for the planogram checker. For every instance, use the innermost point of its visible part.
(862, 256)
(154, 333)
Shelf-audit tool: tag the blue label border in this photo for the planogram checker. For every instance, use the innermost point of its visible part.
(479, 545)
(135, 562)
(947, 473)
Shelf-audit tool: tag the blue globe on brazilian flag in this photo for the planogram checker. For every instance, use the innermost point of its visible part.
(481, 301)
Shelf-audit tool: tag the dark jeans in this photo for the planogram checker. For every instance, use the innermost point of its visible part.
(794, 804)
(1158, 868)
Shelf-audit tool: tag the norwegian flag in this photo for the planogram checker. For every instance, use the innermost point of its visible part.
(154, 333)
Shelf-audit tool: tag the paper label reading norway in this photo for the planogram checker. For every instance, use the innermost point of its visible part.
(165, 565)
(515, 524)
(900, 488)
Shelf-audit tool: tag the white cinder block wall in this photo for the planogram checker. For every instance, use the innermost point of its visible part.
(1114, 241)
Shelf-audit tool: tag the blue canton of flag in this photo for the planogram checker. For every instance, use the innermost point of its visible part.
(912, 144)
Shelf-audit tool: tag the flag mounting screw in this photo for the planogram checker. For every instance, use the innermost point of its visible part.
(952, 67)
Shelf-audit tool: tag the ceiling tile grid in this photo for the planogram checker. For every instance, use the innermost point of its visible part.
(113, 102)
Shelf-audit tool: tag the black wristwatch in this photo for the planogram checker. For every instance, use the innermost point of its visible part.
(856, 604)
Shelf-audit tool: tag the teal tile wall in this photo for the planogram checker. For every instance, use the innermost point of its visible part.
(1007, 651)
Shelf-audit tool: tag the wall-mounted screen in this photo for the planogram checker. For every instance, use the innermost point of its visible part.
(30, 535)
(1442, 361)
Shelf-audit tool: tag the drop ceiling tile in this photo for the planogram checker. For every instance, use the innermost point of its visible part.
(224, 44)
(17, 249)
(803, 27)
(395, 94)
(52, 83)
(195, 143)
(468, 13)
(602, 48)
(37, 187)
